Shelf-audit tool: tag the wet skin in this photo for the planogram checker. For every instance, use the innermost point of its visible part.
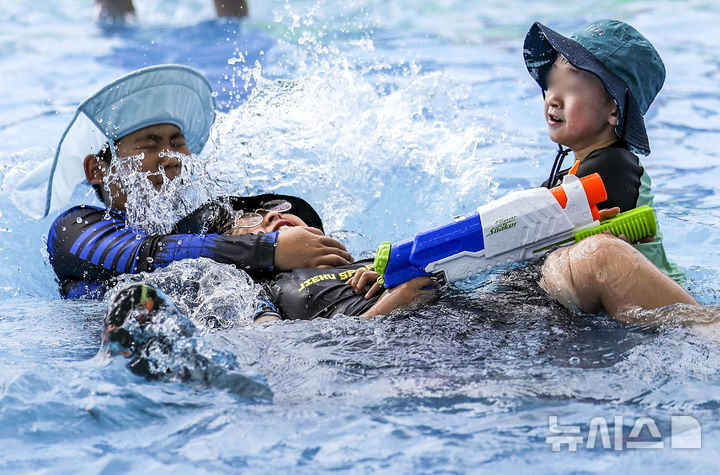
(606, 272)
(578, 111)
(150, 141)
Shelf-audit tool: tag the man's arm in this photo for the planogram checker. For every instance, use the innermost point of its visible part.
(93, 244)
(303, 246)
(296, 247)
(604, 272)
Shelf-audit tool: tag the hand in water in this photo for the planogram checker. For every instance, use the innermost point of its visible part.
(302, 246)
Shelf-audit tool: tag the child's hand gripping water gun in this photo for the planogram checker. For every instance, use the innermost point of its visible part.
(518, 226)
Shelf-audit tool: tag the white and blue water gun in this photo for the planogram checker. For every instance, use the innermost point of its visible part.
(517, 227)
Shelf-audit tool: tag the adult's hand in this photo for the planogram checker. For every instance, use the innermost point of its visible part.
(303, 246)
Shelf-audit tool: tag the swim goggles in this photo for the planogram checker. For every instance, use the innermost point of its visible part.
(251, 219)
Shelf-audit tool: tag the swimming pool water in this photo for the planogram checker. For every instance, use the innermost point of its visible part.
(390, 117)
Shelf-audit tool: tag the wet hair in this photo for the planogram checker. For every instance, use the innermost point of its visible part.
(105, 156)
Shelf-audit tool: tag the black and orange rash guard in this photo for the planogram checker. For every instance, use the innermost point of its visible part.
(90, 246)
(620, 171)
(628, 186)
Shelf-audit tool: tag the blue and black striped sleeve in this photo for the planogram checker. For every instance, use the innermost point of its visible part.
(90, 245)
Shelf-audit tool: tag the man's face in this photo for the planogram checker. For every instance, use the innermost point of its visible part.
(578, 111)
(160, 144)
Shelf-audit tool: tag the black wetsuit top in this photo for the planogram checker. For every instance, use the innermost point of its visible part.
(620, 171)
(90, 246)
(304, 294)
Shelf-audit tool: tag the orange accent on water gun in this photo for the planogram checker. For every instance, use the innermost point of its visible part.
(594, 189)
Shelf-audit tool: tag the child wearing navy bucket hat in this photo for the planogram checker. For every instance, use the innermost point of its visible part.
(597, 85)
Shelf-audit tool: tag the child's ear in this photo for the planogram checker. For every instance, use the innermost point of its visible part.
(614, 116)
(94, 169)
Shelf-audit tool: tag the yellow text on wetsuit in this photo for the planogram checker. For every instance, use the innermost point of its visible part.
(343, 276)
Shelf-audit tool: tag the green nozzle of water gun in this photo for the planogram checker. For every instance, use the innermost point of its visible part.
(636, 224)
(382, 257)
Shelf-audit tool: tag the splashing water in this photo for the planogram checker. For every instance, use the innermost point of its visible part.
(172, 340)
(210, 294)
(397, 96)
(338, 127)
(156, 209)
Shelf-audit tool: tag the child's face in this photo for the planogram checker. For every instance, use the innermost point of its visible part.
(151, 141)
(578, 111)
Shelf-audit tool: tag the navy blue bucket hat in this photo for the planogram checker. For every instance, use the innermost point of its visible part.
(625, 61)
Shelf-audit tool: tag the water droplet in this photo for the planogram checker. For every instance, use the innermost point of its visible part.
(78, 220)
(574, 360)
(64, 228)
(150, 260)
(138, 237)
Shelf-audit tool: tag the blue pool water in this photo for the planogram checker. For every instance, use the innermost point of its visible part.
(390, 117)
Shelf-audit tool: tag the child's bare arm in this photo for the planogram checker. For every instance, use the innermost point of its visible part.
(417, 291)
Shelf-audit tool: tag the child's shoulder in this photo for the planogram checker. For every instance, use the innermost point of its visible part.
(621, 173)
(618, 154)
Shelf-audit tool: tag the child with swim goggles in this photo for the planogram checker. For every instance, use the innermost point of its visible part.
(304, 293)
(141, 318)
(162, 113)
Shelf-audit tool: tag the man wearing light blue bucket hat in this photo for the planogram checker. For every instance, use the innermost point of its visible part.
(164, 112)
(597, 85)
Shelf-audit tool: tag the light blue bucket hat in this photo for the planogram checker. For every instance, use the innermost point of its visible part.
(625, 61)
(163, 94)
